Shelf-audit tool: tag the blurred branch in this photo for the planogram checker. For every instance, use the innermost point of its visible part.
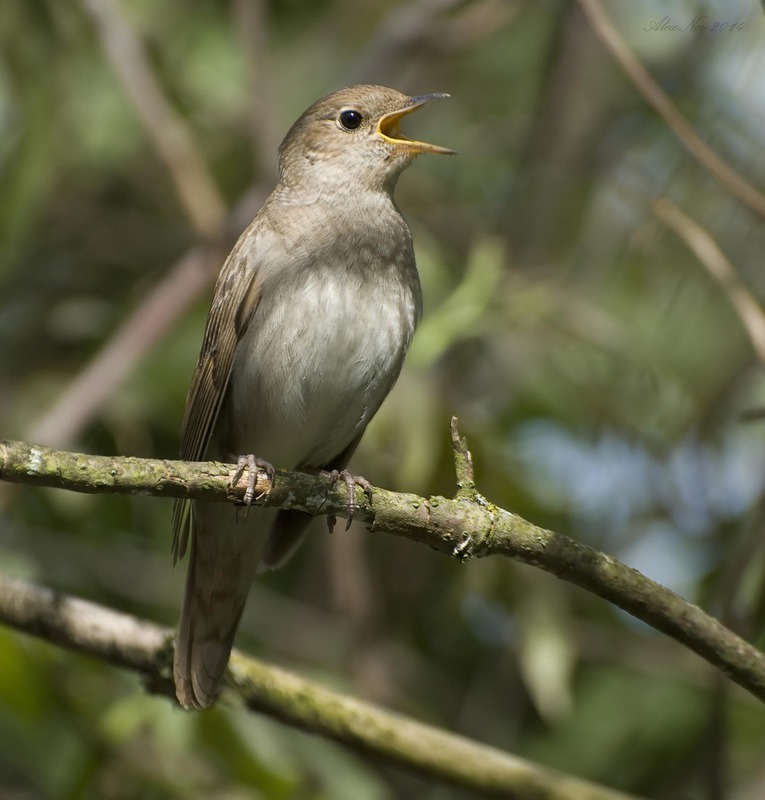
(82, 398)
(252, 27)
(712, 258)
(438, 26)
(142, 646)
(171, 137)
(465, 526)
(471, 25)
(655, 96)
(402, 30)
(185, 282)
(86, 393)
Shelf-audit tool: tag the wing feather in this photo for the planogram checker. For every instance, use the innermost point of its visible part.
(237, 293)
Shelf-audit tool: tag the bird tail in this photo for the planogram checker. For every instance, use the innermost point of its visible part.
(223, 560)
(287, 534)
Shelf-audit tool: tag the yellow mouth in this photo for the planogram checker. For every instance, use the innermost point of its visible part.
(388, 128)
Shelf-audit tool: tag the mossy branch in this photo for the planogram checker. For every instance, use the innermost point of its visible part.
(147, 648)
(464, 526)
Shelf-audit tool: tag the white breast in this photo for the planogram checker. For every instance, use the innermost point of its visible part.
(319, 357)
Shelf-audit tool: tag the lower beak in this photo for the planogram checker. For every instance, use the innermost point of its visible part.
(388, 127)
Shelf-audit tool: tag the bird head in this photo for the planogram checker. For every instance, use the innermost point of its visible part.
(353, 137)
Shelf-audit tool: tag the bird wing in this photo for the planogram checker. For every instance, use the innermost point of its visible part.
(237, 293)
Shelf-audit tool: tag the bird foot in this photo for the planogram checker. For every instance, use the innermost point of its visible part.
(252, 463)
(351, 482)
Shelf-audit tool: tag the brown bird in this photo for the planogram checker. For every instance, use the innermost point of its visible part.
(312, 315)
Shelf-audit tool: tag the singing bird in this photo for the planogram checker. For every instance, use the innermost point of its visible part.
(311, 318)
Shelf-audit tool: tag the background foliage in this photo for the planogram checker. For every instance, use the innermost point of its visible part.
(607, 388)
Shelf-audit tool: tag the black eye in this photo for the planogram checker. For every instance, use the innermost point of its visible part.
(351, 119)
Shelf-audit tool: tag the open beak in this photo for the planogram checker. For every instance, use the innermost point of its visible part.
(388, 127)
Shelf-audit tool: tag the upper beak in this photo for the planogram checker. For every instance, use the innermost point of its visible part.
(388, 126)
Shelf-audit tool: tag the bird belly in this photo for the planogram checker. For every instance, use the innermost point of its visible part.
(314, 366)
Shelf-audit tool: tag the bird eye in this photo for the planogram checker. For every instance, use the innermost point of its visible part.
(350, 119)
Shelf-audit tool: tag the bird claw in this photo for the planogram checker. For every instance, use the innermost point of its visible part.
(252, 463)
(351, 482)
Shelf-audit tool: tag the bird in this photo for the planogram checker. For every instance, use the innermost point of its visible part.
(312, 315)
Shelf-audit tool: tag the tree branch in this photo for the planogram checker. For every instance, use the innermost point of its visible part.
(465, 526)
(661, 103)
(705, 248)
(87, 392)
(171, 136)
(144, 647)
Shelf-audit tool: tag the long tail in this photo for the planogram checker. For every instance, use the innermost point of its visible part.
(222, 563)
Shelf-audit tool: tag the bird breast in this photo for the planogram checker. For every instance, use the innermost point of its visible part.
(323, 349)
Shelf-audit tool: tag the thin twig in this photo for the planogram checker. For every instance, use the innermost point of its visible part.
(463, 461)
(748, 310)
(171, 137)
(144, 647)
(459, 527)
(252, 27)
(655, 96)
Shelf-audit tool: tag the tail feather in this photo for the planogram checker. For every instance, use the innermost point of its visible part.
(289, 531)
(223, 560)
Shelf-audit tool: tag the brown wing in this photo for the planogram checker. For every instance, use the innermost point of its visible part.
(236, 297)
